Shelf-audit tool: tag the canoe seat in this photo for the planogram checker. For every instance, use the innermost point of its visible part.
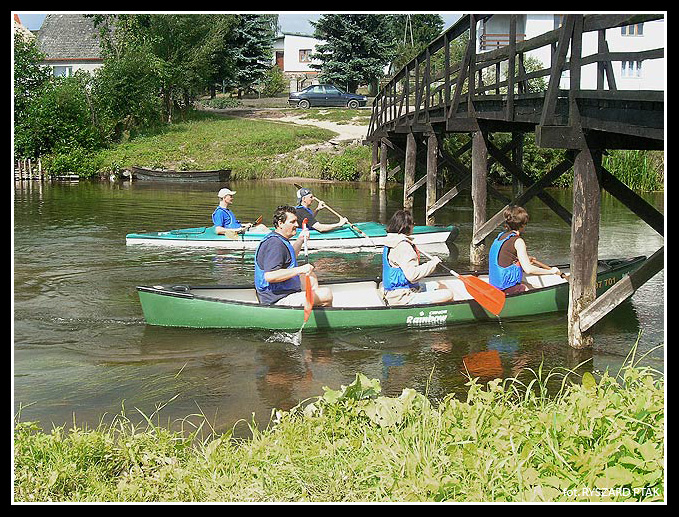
(356, 294)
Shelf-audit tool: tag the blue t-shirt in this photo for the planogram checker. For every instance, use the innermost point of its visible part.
(225, 218)
(273, 254)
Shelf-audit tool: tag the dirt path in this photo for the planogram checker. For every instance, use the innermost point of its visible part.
(345, 132)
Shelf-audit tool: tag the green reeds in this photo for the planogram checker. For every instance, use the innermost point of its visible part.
(639, 170)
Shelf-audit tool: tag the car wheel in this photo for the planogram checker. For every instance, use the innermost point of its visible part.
(352, 104)
(304, 104)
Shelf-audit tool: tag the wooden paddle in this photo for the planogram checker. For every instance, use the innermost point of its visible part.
(233, 234)
(352, 225)
(488, 296)
(544, 266)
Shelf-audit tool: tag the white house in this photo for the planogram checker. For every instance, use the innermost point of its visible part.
(292, 54)
(634, 75)
(70, 43)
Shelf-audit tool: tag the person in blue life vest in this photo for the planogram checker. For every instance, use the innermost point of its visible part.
(223, 218)
(401, 268)
(508, 258)
(304, 211)
(278, 277)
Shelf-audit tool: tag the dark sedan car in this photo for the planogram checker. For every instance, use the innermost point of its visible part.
(325, 95)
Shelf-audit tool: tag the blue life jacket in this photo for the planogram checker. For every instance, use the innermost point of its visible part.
(502, 277)
(272, 292)
(393, 277)
(225, 218)
(304, 208)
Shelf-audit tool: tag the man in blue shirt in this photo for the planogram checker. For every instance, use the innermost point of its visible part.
(278, 277)
(223, 218)
(303, 209)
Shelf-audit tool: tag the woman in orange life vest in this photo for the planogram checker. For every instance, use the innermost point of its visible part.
(401, 268)
(508, 258)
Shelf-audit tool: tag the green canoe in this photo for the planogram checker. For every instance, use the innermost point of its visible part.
(356, 304)
(344, 237)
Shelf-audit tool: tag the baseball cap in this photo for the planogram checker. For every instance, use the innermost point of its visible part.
(302, 192)
(225, 192)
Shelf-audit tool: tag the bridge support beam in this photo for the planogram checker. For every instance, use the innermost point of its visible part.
(584, 242)
(374, 166)
(384, 157)
(432, 169)
(477, 252)
(409, 173)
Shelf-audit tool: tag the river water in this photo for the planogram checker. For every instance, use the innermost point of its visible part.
(82, 352)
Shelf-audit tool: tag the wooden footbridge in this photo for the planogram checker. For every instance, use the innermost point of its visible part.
(492, 92)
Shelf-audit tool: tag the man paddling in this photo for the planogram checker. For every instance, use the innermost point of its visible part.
(303, 209)
(278, 278)
(223, 218)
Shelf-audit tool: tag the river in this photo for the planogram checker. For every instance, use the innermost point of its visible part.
(82, 352)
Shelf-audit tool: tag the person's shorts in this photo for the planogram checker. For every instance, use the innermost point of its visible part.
(293, 300)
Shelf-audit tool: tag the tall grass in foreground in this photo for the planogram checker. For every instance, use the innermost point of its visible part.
(508, 441)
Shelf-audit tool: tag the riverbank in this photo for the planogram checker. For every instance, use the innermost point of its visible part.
(593, 441)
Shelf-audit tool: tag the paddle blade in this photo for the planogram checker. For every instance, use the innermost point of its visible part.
(488, 296)
(309, 300)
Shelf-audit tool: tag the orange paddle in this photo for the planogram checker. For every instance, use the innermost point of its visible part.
(309, 300)
(488, 296)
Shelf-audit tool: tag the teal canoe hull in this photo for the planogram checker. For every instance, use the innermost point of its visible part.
(235, 307)
(344, 237)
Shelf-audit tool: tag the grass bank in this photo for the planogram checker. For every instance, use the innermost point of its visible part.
(593, 441)
(252, 148)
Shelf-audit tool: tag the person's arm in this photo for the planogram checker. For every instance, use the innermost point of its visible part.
(404, 256)
(322, 227)
(281, 275)
(222, 221)
(526, 264)
(274, 257)
(299, 241)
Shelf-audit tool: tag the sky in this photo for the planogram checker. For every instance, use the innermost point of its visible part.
(289, 21)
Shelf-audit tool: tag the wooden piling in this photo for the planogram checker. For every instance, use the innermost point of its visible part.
(432, 165)
(477, 252)
(409, 174)
(383, 165)
(375, 162)
(584, 242)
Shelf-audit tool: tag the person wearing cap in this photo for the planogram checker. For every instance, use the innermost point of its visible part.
(278, 277)
(223, 218)
(304, 199)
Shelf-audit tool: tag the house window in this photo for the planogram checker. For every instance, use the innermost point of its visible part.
(632, 30)
(631, 68)
(62, 71)
(305, 56)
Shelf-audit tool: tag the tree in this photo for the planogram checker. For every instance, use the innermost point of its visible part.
(355, 49)
(185, 53)
(252, 43)
(29, 80)
(411, 34)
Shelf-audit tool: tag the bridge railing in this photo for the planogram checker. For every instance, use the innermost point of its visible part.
(432, 86)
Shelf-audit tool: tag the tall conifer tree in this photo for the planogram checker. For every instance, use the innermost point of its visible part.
(355, 48)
